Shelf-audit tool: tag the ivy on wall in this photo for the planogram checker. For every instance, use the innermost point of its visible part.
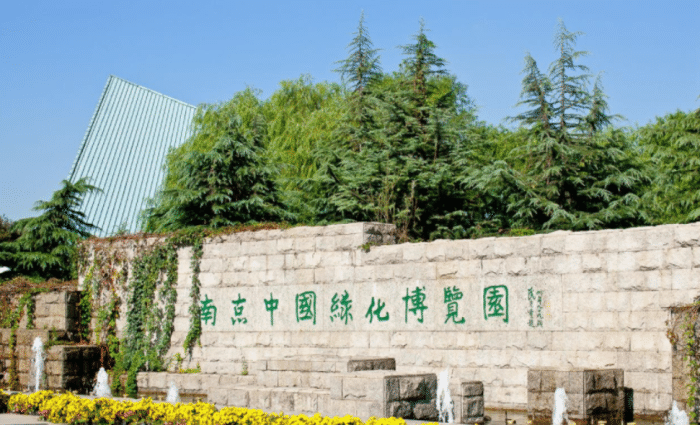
(138, 274)
(147, 285)
(684, 335)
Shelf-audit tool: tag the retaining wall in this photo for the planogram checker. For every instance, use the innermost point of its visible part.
(489, 309)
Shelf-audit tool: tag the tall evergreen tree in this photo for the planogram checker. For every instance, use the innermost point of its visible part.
(358, 71)
(404, 175)
(47, 244)
(229, 184)
(569, 86)
(361, 67)
(571, 171)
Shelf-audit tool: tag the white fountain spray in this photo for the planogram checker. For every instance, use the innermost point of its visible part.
(444, 403)
(677, 416)
(37, 363)
(102, 385)
(559, 415)
(173, 394)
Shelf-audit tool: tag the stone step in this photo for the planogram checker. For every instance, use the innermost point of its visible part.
(282, 399)
(293, 401)
(314, 373)
(295, 379)
(193, 383)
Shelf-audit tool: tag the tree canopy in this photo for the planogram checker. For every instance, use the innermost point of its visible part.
(46, 245)
(406, 147)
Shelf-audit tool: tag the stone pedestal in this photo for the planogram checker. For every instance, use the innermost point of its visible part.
(593, 395)
(472, 402)
(382, 393)
(360, 364)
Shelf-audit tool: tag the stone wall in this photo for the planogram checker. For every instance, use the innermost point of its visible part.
(489, 309)
(67, 367)
(680, 317)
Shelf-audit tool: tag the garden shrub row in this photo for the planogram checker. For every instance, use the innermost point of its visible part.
(72, 409)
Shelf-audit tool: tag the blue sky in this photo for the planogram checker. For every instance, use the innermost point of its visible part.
(55, 58)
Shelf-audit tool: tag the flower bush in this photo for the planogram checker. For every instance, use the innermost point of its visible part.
(71, 409)
(4, 398)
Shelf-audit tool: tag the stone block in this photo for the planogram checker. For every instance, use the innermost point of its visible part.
(599, 380)
(481, 248)
(218, 396)
(282, 400)
(392, 390)
(260, 399)
(362, 388)
(418, 387)
(238, 397)
(534, 381)
(687, 235)
(399, 409)
(473, 406)
(367, 409)
(425, 411)
(360, 364)
(386, 254)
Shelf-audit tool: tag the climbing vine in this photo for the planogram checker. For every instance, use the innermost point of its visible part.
(689, 342)
(195, 331)
(145, 281)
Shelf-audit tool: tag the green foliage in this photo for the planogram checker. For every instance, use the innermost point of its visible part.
(6, 233)
(150, 313)
(672, 145)
(230, 183)
(399, 171)
(361, 67)
(46, 245)
(571, 170)
(195, 329)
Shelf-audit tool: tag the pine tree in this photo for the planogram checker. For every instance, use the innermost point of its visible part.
(569, 88)
(229, 184)
(404, 175)
(361, 67)
(358, 71)
(571, 171)
(47, 244)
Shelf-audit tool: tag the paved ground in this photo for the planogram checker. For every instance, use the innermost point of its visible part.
(11, 418)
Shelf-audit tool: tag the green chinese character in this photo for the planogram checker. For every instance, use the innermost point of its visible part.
(416, 299)
(340, 307)
(376, 311)
(452, 295)
(535, 311)
(496, 302)
(208, 311)
(238, 310)
(271, 306)
(306, 306)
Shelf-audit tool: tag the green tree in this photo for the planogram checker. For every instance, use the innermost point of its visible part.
(361, 67)
(229, 184)
(571, 170)
(672, 145)
(403, 174)
(46, 244)
(360, 70)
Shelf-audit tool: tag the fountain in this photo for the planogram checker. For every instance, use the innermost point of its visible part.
(444, 403)
(102, 386)
(37, 368)
(559, 415)
(677, 416)
(173, 394)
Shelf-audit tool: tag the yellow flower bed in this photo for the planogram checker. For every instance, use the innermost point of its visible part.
(71, 409)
